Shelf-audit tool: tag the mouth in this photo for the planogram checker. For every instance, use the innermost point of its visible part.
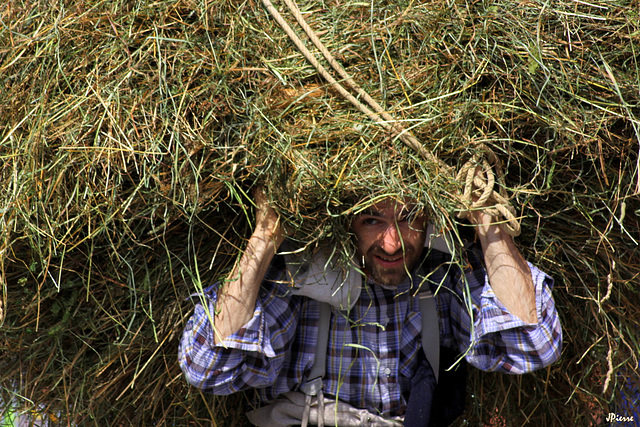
(389, 261)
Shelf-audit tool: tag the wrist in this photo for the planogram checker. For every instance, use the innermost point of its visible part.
(264, 239)
(491, 233)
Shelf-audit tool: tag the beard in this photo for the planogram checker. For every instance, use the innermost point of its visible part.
(389, 270)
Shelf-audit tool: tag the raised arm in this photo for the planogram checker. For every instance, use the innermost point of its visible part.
(508, 272)
(237, 297)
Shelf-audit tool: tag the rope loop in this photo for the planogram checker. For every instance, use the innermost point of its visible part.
(479, 193)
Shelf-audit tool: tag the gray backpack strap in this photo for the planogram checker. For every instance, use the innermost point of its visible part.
(313, 385)
(319, 365)
(430, 329)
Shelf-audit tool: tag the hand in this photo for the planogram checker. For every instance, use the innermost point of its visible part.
(268, 223)
(478, 216)
(483, 199)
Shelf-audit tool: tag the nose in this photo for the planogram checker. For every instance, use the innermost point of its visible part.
(391, 240)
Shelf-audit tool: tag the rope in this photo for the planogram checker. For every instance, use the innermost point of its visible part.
(380, 116)
(481, 187)
(478, 186)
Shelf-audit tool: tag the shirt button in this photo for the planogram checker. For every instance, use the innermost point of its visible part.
(387, 372)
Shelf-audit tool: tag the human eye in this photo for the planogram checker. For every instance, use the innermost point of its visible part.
(371, 220)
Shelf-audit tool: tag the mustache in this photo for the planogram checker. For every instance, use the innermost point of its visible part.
(378, 251)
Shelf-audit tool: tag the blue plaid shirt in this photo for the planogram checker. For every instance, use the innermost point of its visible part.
(373, 348)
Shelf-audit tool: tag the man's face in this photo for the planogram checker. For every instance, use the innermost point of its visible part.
(390, 237)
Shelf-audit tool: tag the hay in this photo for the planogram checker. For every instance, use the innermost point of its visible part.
(132, 134)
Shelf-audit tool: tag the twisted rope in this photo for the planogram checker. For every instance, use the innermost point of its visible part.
(479, 192)
(477, 186)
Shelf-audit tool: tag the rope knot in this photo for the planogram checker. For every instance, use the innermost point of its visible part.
(480, 192)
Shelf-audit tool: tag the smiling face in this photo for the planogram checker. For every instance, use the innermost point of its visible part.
(390, 237)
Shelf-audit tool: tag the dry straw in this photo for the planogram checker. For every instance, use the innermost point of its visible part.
(132, 133)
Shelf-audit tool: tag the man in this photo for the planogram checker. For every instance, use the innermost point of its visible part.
(264, 335)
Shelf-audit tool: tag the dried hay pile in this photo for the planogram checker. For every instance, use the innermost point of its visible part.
(131, 134)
